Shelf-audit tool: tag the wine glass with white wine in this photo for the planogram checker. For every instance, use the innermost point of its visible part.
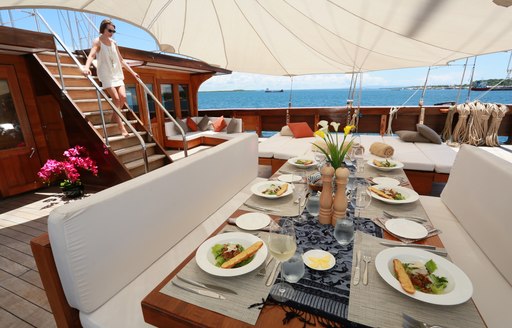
(282, 245)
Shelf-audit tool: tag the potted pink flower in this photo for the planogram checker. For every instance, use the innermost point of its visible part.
(75, 158)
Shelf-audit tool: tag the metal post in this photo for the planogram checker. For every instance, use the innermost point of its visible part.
(471, 81)
(11, 18)
(100, 107)
(462, 81)
(420, 102)
(148, 117)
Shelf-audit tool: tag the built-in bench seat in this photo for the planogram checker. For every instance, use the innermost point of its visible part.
(474, 214)
(112, 248)
(173, 139)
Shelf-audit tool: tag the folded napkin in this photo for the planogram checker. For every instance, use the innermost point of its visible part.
(381, 222)
(381, 149)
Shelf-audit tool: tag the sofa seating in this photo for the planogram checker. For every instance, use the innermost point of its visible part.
(173, 139)
(111, 249)
(474, 214)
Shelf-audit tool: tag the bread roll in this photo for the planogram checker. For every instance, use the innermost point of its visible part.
(282, 189)
(380, 193)
(403, 277)
(248, 252)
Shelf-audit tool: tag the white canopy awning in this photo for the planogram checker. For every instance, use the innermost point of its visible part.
(295, 37)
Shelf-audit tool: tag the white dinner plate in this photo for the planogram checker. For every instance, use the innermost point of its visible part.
(458, 290)
(410, 195)
(293, 161)
(386, 181)
(260, 187)
(290, 178)
(206, 260)
(406, 228)
(252, 221)
(318, 259)
(398, 165)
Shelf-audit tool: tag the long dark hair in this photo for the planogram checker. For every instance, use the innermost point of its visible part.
(104, 24)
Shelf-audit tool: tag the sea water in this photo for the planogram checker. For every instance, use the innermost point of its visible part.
(338, 97)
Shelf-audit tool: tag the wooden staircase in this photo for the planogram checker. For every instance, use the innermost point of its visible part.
(80, 91)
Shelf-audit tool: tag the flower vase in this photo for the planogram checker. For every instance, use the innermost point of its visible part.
(73, 191)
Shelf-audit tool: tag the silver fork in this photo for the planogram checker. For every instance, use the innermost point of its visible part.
(413, 323)
(367, 259)
(407, 217)
(263, 271)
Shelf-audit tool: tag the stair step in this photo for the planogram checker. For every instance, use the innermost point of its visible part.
(140, 162)
(80, 88)
(106, 111)
(124, 151)
(130, 134)
(79, 77)
(62, 64)
(88, 100)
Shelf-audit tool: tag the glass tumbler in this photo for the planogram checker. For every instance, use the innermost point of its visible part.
(293, 269)
(344, 231)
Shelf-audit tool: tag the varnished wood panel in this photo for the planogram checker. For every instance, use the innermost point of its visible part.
(26, 39)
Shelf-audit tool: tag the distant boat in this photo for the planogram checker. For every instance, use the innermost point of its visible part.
(482, 86)
(268, 90)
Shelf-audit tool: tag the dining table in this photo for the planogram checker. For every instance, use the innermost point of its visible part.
(346, 304)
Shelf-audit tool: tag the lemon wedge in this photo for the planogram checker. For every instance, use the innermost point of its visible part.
(320, 262)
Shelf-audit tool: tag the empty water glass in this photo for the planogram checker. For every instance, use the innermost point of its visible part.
(362, 197)
(313, 204)
(358, 156)
(293, 269)
(344, 230)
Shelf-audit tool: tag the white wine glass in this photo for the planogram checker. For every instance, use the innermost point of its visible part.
(282, 245)
(362, 197)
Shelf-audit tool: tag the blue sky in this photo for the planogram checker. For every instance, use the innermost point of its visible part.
(488, 66)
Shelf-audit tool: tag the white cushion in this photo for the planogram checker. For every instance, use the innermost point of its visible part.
(124, 309)
(294, 147)
(477, 193)
(500, 152)
(268, 147)
(103, 242)
(492, 293)
(441, 155)
(171, 134)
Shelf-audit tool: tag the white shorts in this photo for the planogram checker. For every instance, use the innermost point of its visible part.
(112, 84)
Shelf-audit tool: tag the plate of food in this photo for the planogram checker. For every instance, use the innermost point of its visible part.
(231, 254)
(302, 162)
(272, 189)
(385, 165)
(423, 276)
(394, 194)
(406, 228)
(318, 259)
(252, 221)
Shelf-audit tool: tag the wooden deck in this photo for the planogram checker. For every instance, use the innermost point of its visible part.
(23, 301)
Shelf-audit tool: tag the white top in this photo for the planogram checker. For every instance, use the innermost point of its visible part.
(109, 66)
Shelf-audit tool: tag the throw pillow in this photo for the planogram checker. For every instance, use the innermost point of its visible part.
(428, 133)
(204, 124)
(411, 136)
(183, 126)
(219, 124)
(233, 126)
(191, 124)
(285, 131)
(301, 130)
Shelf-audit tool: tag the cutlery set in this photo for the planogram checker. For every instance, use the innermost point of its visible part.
(357, 270)
(205, 289)
(428, 248)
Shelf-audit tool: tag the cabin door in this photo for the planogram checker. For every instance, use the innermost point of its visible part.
(19, 160)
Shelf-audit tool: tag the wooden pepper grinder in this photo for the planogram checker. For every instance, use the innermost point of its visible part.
(340, 199)
(324, 216)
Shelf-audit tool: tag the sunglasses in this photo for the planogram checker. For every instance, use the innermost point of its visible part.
(111, 31)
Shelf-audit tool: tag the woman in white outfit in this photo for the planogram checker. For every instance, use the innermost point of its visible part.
(109, 68)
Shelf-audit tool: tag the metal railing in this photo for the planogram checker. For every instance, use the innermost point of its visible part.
(99, 92)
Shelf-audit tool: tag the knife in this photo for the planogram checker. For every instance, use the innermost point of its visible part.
(207, 286)
(357, 270)
(258, 208)
(428, 248)
(200, 291)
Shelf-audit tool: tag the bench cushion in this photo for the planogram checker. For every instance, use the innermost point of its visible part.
(124, 309)
(483, 180)
(101, 243)
(492, 293)
(441, 155)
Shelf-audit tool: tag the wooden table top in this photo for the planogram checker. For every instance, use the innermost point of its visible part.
(162, 310)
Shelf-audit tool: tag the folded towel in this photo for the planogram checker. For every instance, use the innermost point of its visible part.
(381, 149)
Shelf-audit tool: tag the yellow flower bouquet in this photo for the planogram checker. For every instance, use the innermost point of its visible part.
(334, 150)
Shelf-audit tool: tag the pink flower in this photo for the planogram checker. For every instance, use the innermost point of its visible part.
(76, 158)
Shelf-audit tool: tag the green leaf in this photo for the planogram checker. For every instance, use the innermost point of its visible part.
(431, 266)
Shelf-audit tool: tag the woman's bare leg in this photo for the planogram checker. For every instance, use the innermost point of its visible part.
(118, 95)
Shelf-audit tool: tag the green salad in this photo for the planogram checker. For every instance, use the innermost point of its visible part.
(423, 278)
(225, 252)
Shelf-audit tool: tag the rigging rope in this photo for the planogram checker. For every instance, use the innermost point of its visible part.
(289, 101)
(393, 112)
(509, 72)
(420, 102)
(350, 97)
(446, 134)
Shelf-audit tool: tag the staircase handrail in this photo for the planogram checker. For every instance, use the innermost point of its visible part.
(100, 91)
(166, 112)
